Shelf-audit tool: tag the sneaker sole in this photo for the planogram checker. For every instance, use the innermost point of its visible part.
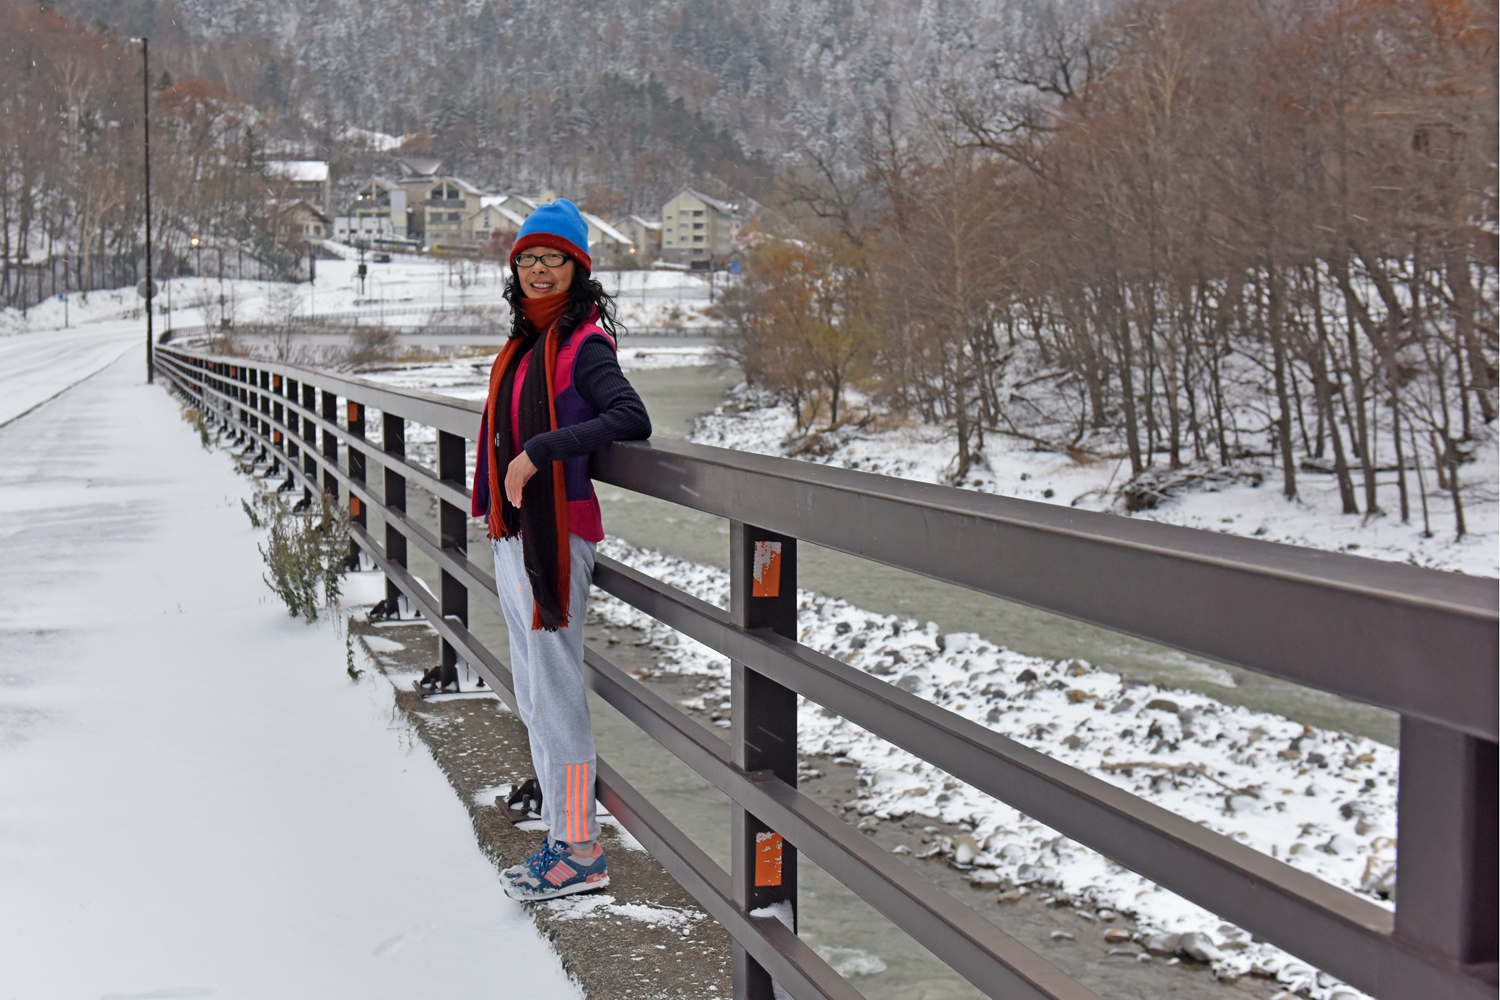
(567, 890)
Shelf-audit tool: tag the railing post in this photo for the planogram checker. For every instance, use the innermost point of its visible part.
(310, 436)
(357, 512)
(393, 442)
(1446, 837)
(763, 734)
(278, 414)
(252, 406)
(453, 527)
(331, 444)
(265, 409)
(294, 429)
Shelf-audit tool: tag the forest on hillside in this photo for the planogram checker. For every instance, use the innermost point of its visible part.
(618, 105)
(627, 98)
(1207, 237)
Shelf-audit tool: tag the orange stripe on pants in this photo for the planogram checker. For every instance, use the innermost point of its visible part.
(569, 813)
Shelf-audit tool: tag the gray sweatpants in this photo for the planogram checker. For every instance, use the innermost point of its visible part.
(548, 671)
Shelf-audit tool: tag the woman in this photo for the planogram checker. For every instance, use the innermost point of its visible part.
(556, 395)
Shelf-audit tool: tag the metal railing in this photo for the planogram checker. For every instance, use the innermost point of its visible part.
(1418, 642)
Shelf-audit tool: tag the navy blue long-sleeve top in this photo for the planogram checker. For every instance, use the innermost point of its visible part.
(601, 383)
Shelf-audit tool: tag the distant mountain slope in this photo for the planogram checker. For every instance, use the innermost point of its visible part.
(567, 95)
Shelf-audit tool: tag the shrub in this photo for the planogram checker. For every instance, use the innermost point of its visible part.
(304, 554)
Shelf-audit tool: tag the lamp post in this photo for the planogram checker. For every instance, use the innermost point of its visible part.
(146, 132)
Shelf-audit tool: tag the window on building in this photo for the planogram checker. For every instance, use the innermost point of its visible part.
(697, 212)
(697, 239)
(453, 216)
(697, 225)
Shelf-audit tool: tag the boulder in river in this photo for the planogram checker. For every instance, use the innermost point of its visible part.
(1199, 947)
(1162, 943)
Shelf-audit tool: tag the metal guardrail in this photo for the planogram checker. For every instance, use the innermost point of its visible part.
(1418, 642)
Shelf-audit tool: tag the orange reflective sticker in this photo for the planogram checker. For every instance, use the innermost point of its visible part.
(765, 573)
(354, 506)
(768, 858)
(353, 411)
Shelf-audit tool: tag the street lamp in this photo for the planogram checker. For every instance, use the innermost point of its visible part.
(146, 132)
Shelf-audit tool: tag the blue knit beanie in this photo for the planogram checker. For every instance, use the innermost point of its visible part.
(558, 224)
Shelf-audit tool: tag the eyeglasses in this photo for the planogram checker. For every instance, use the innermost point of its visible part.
(547, 259)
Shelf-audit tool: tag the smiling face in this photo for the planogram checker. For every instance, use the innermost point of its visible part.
(539, 279)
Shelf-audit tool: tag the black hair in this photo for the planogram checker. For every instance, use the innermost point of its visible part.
(584, 295)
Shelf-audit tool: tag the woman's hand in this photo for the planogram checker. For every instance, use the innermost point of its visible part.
(516, 474)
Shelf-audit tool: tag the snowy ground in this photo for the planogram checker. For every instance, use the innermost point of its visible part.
(195, 799)
(1322, 801)
(37, 366)
(410, 291)
(748, 423)
(469, 378)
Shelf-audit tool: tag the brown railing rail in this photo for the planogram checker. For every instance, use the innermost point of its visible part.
(1421, 643)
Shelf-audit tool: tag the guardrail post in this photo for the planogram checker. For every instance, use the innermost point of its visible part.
(453, 527)
(1446, 842)
(252, 408)
(237, 413)
(294, 428)
(393, 442)
(331, 444)
(357, 512)
(763, 733)
(310, 436)
(278, 414)
(265, 409)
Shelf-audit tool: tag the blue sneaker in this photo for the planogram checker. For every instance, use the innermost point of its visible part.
(516, 871)
(554, 871)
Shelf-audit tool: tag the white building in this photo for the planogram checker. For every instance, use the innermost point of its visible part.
(304, 179)
(608, 247)
(695, 227)
(378, 210)
(495, 222)
(644, 233)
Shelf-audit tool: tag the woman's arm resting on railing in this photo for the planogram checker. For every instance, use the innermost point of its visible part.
(622, 415)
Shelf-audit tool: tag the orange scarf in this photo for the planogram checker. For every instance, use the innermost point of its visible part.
(542, 312)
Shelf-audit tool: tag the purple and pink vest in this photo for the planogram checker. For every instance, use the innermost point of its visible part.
(584, 516)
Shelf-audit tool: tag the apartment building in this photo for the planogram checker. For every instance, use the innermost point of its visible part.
(448, 204)
(696, 227)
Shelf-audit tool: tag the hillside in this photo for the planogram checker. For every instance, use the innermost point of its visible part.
(627, 97)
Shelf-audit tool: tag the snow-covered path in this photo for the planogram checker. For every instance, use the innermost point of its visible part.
(195, 800)
(37, 365)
